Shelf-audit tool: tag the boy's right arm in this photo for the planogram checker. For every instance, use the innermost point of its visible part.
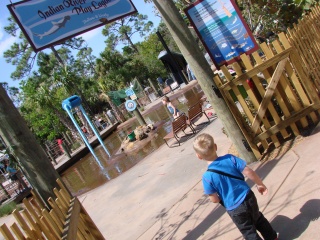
(214, 198)
(247, 171)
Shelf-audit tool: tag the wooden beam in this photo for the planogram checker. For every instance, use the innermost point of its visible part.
(294, 117)
(268, 95)
(257, 69)
(71, 225)
(6, 232)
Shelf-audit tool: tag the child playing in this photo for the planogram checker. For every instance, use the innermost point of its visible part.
(174, 111)
(226, 185)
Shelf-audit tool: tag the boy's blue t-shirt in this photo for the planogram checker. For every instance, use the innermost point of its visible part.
(231, 191)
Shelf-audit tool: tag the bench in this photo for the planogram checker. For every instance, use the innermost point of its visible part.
(196, 111)
(179, 124)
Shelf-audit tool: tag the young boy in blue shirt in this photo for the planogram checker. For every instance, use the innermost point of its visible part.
(224, 183)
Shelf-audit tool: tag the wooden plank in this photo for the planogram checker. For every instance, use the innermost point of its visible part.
(29, 207)
(61, 201)
(6, 232)
(23, 224)
(279, 94)
(90, 224)
(64, 189)
(254, 71)
(273, 112)
(33, 225)
(295, 103)
(261, 91)
(268, 95)
(239, 119)
(299, 68)
(84, 229)
(19, 234)
(252, 99)
(51, 223)
(55, 206)
(303, 47)
(59, 221)
(284, 103)
(36, 197)
(48, 230)
(295, 117)
(71, 225)
(65, 196)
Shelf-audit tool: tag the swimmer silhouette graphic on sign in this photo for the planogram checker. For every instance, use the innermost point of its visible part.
(56, 26)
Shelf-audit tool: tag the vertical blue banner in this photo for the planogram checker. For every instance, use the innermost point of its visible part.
(46, 22)
(222, 30)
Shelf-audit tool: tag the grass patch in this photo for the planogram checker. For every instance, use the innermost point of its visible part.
(8, 208)
(75, 145)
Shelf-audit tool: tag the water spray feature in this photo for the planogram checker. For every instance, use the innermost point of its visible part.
(75, 102)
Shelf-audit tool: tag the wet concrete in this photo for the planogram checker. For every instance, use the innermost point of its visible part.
(77, 173)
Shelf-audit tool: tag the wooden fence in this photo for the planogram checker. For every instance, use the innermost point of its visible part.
(275, 93)
(67, 219)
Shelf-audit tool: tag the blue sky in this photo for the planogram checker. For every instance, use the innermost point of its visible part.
(94, 38)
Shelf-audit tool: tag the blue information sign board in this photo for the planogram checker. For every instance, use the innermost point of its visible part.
(130, 105)
(46, 22)
(222, 30)
(129, 92)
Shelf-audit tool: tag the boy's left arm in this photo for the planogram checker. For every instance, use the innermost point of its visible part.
(253, 176)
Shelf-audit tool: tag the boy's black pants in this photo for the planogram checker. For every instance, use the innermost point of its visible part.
(249, 219)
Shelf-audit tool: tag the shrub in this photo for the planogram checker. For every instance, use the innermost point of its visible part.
(8, 208)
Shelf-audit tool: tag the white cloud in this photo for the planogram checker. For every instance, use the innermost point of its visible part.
(91, 34)
(6, 43)
(1, 31)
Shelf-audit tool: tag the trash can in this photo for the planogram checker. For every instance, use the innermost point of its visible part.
(132, 136)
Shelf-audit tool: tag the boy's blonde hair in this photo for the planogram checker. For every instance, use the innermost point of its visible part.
(204, 145)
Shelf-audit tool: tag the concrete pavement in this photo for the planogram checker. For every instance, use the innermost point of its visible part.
(162, 198)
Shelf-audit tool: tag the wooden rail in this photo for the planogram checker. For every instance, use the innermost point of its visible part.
(274, 95)
(67, 219)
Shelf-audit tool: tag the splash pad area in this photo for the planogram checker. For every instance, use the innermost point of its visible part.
(85, 174)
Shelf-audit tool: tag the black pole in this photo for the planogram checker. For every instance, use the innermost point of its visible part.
(172, 57)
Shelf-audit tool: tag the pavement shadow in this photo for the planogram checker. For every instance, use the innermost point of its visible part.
(293, 228)
(215, 214)
(206, 224)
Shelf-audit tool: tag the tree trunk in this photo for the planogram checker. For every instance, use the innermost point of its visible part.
(23, 145)
(193, 55)
(131, 43)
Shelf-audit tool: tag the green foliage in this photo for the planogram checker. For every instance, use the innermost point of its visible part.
(274, 16)
(122, 30)
(8, 208)
(43, 91)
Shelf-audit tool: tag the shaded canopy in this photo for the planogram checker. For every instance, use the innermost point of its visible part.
(117, 97)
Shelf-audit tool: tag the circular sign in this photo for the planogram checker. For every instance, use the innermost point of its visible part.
(130, 105)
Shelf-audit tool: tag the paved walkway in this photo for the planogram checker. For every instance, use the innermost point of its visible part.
(162, 197)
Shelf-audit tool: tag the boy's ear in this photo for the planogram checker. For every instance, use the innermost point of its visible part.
(199, 156)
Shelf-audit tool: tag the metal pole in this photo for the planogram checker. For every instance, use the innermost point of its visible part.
(94, 130)
(84, 137)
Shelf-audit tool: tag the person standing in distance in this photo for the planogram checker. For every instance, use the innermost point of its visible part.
(172, 109)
